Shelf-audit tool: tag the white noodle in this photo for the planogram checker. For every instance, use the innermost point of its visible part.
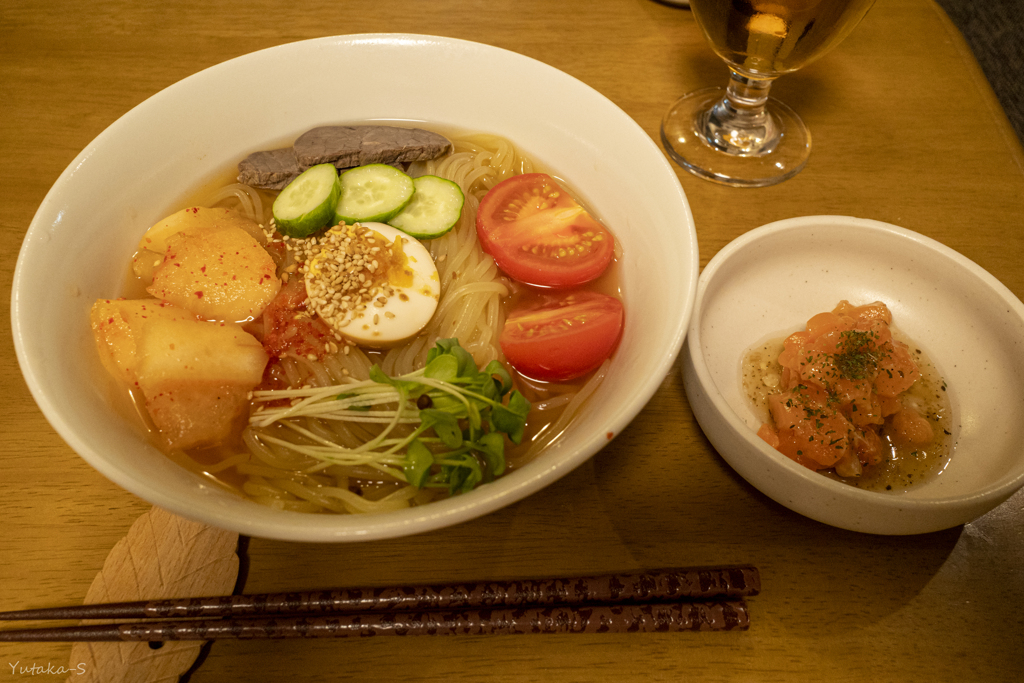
(470, 310)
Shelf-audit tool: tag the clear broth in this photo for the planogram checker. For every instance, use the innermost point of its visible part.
(538, 424)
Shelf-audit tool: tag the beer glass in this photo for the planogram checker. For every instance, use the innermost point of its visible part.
(738, 135)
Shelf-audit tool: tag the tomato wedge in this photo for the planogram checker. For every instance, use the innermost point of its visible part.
(558, 338)
(539, 235)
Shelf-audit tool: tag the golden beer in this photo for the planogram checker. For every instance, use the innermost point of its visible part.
(772, 37)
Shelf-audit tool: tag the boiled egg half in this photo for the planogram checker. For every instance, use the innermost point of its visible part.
(373, 284)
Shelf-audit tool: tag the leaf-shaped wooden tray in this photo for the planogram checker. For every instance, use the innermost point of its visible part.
(162, 556)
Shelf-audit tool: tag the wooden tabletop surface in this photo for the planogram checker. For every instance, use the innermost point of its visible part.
(906, 130)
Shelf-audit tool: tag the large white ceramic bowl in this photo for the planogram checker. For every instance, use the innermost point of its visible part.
(768, 282)
(78, 246)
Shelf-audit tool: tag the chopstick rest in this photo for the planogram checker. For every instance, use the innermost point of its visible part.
(162, 556)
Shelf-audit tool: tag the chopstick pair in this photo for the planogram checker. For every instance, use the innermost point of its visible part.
(690, 599)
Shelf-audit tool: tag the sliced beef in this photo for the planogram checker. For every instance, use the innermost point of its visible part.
(270, 170)
(343, 146)
(348, 146)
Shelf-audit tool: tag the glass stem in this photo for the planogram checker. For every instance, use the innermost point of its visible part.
(739, 123)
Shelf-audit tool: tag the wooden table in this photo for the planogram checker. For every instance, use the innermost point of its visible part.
(906, 130)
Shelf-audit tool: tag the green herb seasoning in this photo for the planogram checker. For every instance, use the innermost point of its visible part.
(858, 359)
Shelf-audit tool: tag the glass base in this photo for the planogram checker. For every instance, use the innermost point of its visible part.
(701, 148)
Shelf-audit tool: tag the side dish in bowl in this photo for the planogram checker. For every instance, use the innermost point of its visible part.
(860, 374)
(846, 396)
(140, 229)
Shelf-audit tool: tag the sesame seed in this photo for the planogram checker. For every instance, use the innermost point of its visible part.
(342, 276)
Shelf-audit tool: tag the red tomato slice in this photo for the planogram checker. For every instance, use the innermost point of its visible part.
(562, 337)
(539, 235)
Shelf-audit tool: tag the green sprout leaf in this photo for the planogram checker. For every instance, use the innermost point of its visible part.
(444, 368)
(419, 460)
(511, 419)
(377, 375)
(463, 474)
(498, 372)
(492, 447)
(444, 424)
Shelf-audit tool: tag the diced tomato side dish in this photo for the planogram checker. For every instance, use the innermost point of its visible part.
(842, 377)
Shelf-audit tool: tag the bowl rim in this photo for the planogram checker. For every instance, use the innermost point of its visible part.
(323, 528)
(695, 358)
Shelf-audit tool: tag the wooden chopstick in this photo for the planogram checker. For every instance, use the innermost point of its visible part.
(721, 615)
(695, 583)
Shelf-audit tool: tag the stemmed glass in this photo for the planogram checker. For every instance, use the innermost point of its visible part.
(738, 135)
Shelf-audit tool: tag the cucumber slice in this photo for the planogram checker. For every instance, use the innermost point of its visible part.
(307, 203)
(372, 193)
(434, 210)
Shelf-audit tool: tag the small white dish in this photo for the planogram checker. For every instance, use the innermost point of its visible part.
(768, 282)
(142, 167)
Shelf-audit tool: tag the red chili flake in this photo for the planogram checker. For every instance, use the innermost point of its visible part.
(110, 320)
(203, 269)
(610, 435)
(199, 294)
